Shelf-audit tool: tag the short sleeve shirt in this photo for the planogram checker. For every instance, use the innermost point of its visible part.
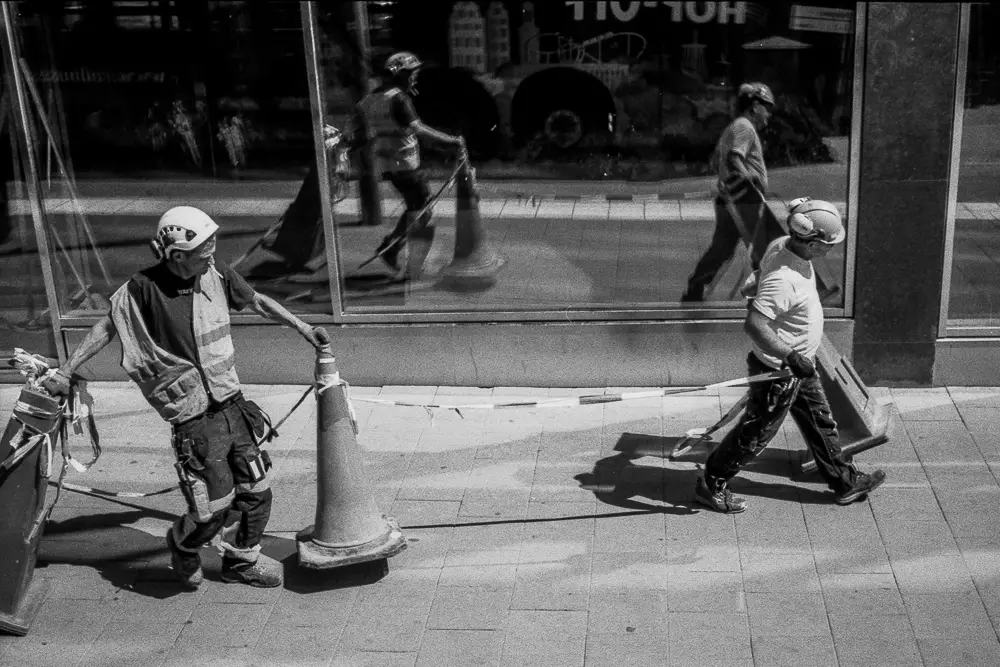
(786, 295)
(741, 138)
(403, 111)
(166, 302)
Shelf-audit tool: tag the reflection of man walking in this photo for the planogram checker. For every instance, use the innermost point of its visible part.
(392, 124)
(785, 322)
(739, 161)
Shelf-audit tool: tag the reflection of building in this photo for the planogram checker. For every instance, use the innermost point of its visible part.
(497, 36)
(527, 35)
(467, 37)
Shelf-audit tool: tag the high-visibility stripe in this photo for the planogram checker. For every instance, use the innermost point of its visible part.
(214, 335)
(221, 366)
(254, 487)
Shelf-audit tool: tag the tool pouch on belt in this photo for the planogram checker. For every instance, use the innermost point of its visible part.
(257, 421)
(192, 484)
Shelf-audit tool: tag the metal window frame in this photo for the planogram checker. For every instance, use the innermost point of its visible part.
(945, 330)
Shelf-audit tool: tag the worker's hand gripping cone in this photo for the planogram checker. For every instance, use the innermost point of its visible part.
(349, 528)
(475, 262)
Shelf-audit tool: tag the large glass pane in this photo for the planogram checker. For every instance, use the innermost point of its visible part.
(25, 316)
(141, 106)
(591, 126)
(974, 303)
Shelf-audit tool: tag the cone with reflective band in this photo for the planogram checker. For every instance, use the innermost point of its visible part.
(862, 422)
(349, 528)
(475, 261)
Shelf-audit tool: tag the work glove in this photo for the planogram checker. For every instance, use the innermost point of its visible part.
(319, 337)
(800, 366)
(57, 384)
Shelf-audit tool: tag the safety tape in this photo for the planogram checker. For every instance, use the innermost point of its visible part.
(572, 401)
(335, 381)
(114, 494)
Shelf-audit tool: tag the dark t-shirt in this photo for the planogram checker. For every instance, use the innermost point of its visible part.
(166, 302)
(403, 111)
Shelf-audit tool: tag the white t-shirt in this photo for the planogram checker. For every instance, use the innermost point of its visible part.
(786, 295)
(741, 138)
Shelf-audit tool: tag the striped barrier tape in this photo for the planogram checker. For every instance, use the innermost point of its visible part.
(571, 401)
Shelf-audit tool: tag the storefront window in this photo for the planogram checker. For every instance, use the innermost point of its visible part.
(973, 302)
(25, 316)
(141, 106)
(591, 127)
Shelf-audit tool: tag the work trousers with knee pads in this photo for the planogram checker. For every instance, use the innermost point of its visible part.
(223, 475)
(766, 408)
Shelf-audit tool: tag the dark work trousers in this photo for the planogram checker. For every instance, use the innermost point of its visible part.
(300, 237)
(413, 188)
(727, 237)
(219, 449)
(766, 408)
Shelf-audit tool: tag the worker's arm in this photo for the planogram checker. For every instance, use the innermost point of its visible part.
(428, 132)
(274, 311)
(96, 340)
(758, 328)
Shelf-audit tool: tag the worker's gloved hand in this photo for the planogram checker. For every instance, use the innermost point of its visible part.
(319, 337)
(800, 366)
(57, 384)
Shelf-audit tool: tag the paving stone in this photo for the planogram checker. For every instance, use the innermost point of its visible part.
(943, 652)
(628, 612)
(865, 640)
(322, 608)
(943, 442)
(706, 592)
(391, 622)
(951, 616)
(787, 615)
(628, 649)
(784, 651)
(917, 538)
(353, 658)
(460, 648)
(494, 576)
(224, 626)
(893, 504)
(773, 572)
(537, 653)
(861, 594)
(562, 584)
(932, 574)
(469, 608)
(308, 646)
(924, 404)
(709, 639)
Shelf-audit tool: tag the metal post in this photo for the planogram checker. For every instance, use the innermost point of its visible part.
(371, 203)
(27, 144)
(317, 101)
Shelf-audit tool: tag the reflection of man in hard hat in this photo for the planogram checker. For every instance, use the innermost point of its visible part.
(390, 122)
(173, 322)
(739, 161)
(785, 323)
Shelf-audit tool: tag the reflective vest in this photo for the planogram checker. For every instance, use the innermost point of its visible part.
(171, 384)
(395, 146)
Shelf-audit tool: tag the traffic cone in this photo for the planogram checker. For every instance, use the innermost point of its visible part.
(862, 422)
(349, 528)
(475, 262)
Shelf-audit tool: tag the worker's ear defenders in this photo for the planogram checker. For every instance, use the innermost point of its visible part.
(797, 222)
(160, 253)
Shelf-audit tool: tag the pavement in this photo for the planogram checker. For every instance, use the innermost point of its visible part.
(546, 536)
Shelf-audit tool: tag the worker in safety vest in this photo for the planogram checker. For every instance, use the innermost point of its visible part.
(388, 119)
(173, 322)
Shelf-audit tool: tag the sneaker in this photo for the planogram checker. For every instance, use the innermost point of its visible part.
(265, 573)
(863, 485)
(721, 499)
(186, 564)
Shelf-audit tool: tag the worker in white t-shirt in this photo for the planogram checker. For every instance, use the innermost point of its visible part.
(785, 322)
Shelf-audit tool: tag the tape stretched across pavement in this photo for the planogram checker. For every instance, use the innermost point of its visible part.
(571, 401)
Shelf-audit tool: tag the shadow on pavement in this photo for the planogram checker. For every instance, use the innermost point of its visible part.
(618, 480)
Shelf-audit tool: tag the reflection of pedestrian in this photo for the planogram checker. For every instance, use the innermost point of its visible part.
(173, 322)
(390, 122)
(785, 322)
(739, 162)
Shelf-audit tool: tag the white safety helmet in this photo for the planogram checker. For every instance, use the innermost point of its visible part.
(815, 220)
(181, 229)
(757, 91)
(404, 61)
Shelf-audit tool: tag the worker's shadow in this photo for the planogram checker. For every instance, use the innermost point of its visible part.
(137, 560)
(624, 481)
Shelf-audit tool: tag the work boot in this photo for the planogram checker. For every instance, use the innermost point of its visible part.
(718, 497)
(863, 485)
(186, 564)
(264, 573)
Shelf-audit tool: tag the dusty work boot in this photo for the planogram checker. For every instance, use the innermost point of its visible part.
(186, 564)
(265, 572)
(718, 497)
(863, 485)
